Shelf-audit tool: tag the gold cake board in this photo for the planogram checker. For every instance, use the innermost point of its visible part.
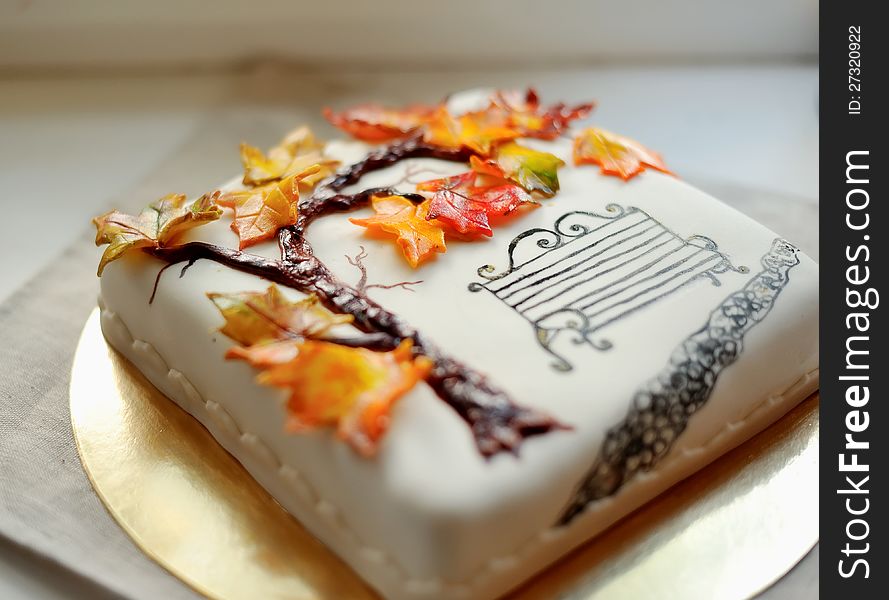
(729, 531)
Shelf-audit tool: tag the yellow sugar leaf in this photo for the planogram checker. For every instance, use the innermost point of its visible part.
(478, 131)
(615, 154)
(256, 317)
(294, 154)
(156, 226)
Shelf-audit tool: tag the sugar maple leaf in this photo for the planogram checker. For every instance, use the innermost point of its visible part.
(352, 389)
(525, 114)
(260, 212)
(417, 234)
(376, 124)
(261, 317)
(508, 115)
(478, 131)
(615, 155)
(294, 154)
(466, 207)
(533, 170)
(156, 226)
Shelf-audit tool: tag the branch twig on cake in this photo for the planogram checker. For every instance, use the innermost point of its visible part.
(357, 261)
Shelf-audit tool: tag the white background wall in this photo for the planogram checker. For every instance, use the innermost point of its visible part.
(418, 32)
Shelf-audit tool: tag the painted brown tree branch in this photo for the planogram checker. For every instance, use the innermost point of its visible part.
(497, 423)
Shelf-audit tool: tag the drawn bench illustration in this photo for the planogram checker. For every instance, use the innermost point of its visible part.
(591, 270)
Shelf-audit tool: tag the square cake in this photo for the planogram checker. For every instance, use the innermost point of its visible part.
(467, 340)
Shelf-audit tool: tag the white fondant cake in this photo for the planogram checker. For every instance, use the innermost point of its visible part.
(661, 326)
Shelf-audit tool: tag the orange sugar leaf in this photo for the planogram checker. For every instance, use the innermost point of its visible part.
(419, 237)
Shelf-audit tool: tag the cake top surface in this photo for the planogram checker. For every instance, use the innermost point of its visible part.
(500, 285)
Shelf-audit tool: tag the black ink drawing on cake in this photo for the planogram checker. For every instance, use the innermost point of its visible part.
(660, 411)
(591, 270)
